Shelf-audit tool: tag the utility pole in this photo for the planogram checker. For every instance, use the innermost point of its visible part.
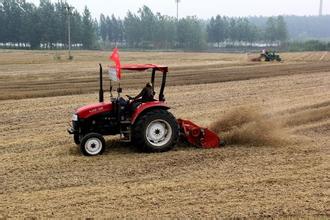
(177, 9)
(321, 8)
(69, 10)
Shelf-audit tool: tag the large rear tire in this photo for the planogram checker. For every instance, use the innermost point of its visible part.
(92, 144)
(156, 131)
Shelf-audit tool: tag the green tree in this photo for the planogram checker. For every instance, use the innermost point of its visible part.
(103, 27)
(88, 30)
(121, 29)
(211, 31)
(191, 34)
(47, 23)
(108, 26)
(60, 22)
(217, 29)
(248, 31)
(241, 29)
(29, 30)
(253, 34)
(233, 30)
(133, 30)
(13, 18)
(76, 28)
(165, 32)
(2, 22)
(115, 24)
(270, 31)
(147, 25)
(281, 29)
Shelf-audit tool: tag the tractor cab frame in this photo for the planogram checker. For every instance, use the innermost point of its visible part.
(154, 68)
(140, 68)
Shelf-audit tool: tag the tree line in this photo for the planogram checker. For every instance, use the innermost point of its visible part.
(146, 29)
(235, 30)
(25, 25)
(45, 26)
(301, 28)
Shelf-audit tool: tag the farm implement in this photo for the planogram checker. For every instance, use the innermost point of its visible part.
(147, 125)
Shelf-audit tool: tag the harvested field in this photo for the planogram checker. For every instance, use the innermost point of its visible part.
(43, 175)
(22, 72)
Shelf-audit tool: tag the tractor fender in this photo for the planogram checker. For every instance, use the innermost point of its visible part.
(145, 107)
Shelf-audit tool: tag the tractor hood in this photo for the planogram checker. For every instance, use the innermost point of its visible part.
(94, 109)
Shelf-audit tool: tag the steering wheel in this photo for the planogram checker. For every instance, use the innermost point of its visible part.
(129, 97)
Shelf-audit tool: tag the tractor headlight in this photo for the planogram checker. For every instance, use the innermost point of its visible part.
(74, 117)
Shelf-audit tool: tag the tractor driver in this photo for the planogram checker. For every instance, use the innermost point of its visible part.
(146, 95)
(264, 52)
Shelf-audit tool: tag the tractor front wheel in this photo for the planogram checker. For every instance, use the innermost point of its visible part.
(156, 131)
(76, 139)
(92, 144)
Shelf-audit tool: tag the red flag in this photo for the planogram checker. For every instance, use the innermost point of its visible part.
(115, 58)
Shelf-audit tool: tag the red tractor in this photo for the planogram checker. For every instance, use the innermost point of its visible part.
(148, 125)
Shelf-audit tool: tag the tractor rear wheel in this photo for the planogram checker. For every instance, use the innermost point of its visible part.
(156, 131)
(92, 144)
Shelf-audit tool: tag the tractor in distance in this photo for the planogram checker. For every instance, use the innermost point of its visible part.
(270, 56)
(267, 56)
(147, 125)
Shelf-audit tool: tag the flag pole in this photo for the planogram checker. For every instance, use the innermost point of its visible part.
(111, 96)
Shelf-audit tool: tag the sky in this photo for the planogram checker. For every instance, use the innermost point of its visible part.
(203, 8)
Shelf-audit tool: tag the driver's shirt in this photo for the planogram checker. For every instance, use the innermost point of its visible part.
(147, 94)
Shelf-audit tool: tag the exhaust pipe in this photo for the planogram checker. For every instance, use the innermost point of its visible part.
(101, 92)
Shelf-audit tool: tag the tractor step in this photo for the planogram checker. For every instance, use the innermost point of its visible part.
(126, 135)
(125, 140)
(125, 122)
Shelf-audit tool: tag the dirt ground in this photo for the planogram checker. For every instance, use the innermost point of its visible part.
(43, 174)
